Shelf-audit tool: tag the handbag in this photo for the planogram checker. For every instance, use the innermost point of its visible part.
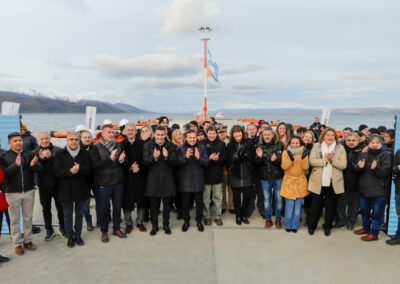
(3, 202)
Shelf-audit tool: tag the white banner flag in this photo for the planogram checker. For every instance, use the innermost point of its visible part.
(326, 113)
(90, 117)
(9, 108)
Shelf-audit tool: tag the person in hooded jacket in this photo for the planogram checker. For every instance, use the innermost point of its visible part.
(268, 159)
(374, 166)
(348, 203)
(216, 150)
(192, 159)
(30, 142)
(240, 163)
(159, 156)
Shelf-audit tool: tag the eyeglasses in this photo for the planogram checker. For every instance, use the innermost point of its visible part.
(73, 139)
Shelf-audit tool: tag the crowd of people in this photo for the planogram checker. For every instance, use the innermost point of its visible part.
(278, 171)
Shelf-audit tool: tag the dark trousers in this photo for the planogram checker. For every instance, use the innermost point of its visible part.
(105, 194)
(45, 195)
(7, 219)
(86, 212)
(155, 208)
(68, 208)
(307, 207)
(348, 205)
(241, 200)
(329, 196)
(187, 198)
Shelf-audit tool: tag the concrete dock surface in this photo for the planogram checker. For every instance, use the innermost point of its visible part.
(227, 254)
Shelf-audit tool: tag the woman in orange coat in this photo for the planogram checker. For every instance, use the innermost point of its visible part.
(294, 183)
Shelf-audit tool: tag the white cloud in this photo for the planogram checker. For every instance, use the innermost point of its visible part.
(243, 68)
(150, 65)
(186, 16)
(169, 83)
(76, 5)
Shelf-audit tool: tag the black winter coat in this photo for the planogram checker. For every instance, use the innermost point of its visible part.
(396, 171)
(351, 174)
(215, 169)
(18, 179)
(90, 177)
(160, 178)
(45, 176)
(73, 187)
(373, 183)
(191, 173)
(239, 161)
(30, 142)
(134, 183)
(106, 171)
(269, 170)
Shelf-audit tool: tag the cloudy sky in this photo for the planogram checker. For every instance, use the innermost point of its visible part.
(287, 53)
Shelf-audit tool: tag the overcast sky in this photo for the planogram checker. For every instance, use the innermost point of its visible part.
(308, 53)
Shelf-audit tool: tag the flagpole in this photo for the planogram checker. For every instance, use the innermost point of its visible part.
(205, 36)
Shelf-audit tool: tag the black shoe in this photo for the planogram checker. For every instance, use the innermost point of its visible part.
(185, 227)
(167, 230)
(245, 220)
(327, 232)
(4, 259)
(294, 230)
(153, 231)
(238, 221)
(232, 211)
(311, 231)
(350, 227)
(393, 241)
(70, 243)
(79, 241)
(200, 227)
(288, 230)
(223, 211)
(146, 218)
(35, 230)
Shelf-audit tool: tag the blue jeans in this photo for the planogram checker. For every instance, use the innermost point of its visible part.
(86, 212)
(292, 213)
(397, 198)
(106, 193)
(267, 188)
(68, 210)
(377, 205)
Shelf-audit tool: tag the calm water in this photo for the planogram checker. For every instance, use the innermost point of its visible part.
(45, 122)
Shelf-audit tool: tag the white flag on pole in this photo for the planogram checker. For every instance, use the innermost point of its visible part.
(90, 117)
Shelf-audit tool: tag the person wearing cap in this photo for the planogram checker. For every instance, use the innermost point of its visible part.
(48, 184)
(374, 166)
(30, 142)
(18, 167)
(222, 135)
(108, 161)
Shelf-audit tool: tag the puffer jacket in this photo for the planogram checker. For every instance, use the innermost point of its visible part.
(270, 170)
(191, 173)
(45, 177)
(215, 170)
(373, 183)
(239, 160)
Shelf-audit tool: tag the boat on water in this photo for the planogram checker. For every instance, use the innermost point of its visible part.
(222, 116)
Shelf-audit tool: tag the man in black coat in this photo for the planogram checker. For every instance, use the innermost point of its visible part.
(18, 167)
(159, 156)
(193, 160)
(48, 184)
(108, 161)
(72, 167)
(214, 176)
(348, 203)
(135, 179)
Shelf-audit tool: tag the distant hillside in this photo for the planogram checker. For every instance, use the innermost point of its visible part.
(42, 104)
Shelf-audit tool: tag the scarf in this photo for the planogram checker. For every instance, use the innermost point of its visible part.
(295, 151)
(327, 170)
(109, 145)
(73, 153)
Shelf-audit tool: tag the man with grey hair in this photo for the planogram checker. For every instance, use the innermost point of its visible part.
(48, 184)
(134, 179)
(348, 203)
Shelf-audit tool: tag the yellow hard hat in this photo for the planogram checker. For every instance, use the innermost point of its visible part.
(24, 126)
